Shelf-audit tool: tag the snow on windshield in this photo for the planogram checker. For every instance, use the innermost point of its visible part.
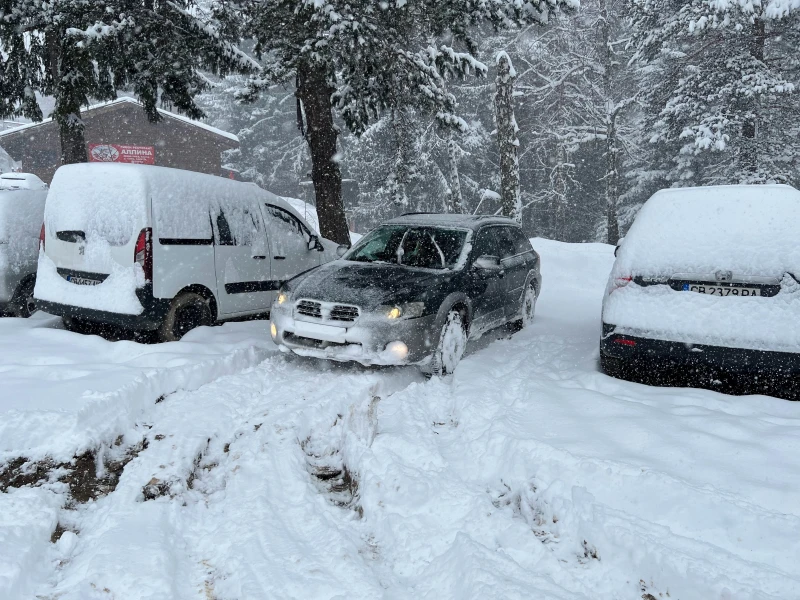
(105, 201)
(423, 247)
(749, 230)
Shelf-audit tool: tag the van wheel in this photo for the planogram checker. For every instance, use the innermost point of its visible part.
(452, 343)
(187, 311)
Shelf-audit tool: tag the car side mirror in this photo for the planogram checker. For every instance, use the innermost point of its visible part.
(487, 262)
(341, 250)
(619, 245)
(315, 244)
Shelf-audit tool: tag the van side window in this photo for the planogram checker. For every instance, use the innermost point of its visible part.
(287, 234)
(225, 238)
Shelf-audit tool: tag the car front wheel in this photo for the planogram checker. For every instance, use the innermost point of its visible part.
(452, 343)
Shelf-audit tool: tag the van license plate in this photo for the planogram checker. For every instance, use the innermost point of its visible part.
(719, 290)
(82, 280)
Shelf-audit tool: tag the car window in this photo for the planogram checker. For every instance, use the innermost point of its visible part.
(224, 235)
(487, 242)
(506, 242)
(287, 234)
(522, 243)
(239, 225)
(424, 247)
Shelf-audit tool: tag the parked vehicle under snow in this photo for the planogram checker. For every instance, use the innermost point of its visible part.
(708, 276)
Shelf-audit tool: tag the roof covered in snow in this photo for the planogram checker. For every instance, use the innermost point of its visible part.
(126, 100)
(451, 220)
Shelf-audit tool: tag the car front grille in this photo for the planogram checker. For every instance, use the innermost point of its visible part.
(309, 308)
(343, 312)
(324, 311)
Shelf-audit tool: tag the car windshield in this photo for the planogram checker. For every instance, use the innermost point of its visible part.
(424, 247)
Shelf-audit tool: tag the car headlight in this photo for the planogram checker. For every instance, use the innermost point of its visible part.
(408, 310)
(283, 297)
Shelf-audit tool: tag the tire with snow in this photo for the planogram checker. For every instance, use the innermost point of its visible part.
(452, 343)
(528, 309)
(23, 304)
(187, 311)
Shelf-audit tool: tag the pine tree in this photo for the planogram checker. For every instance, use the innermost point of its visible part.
(361, 58)
(721, 75)
(75, 51)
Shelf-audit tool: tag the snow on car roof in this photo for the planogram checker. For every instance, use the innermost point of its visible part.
(451, 220)
(745, 229)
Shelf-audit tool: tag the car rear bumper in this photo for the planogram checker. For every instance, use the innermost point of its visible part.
(364, 342)
(155, 309)
(638, 347)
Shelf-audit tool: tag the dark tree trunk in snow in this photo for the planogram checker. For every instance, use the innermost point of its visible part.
(321, 133)
(507, 138)
(749, 160)
(67, 110)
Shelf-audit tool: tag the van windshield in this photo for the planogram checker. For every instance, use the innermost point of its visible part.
(423, 247)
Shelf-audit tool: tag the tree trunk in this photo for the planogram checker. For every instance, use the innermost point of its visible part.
(67, 109)
(612, 181)
(507, 138)
(612, 147)
(749, 156)
(321, 133)
(456, 199)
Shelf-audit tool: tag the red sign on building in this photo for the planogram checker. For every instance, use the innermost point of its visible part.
(141, 155)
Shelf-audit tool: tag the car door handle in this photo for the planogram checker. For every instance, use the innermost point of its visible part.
(259, 258)
(279, 257)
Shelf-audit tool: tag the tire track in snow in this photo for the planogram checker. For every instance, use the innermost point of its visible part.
(244, 520)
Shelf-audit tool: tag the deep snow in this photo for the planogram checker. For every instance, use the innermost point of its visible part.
(527, 474)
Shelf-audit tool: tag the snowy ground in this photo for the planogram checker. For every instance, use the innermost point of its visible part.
(258, 475)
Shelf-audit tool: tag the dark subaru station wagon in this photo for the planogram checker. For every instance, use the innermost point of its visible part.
(412, 291)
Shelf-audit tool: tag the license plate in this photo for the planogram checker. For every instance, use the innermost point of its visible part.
(83, 280)
(721, 290)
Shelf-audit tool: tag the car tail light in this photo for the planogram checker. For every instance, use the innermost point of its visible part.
(624, 342)
(41, 238)
(621, 282)
(143, 253)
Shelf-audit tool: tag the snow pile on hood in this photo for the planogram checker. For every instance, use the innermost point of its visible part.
(749, 230)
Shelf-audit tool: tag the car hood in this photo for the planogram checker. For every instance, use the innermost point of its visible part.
(367, 285)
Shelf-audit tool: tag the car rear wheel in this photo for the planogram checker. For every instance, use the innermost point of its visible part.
(528, 309)
(452, 343)
(187, 311)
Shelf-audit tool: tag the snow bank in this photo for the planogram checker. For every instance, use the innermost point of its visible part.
(750, 230)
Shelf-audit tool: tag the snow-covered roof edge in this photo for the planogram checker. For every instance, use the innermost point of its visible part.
(122, 99)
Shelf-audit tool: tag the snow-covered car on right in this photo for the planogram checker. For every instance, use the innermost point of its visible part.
(707, 276)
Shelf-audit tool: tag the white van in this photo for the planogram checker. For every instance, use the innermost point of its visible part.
(156, 249)
(21, 213)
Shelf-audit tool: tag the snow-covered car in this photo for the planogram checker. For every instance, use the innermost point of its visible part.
(157, 249)
(707, 276)
(21, 181)
(21, 213)
(412, 292)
